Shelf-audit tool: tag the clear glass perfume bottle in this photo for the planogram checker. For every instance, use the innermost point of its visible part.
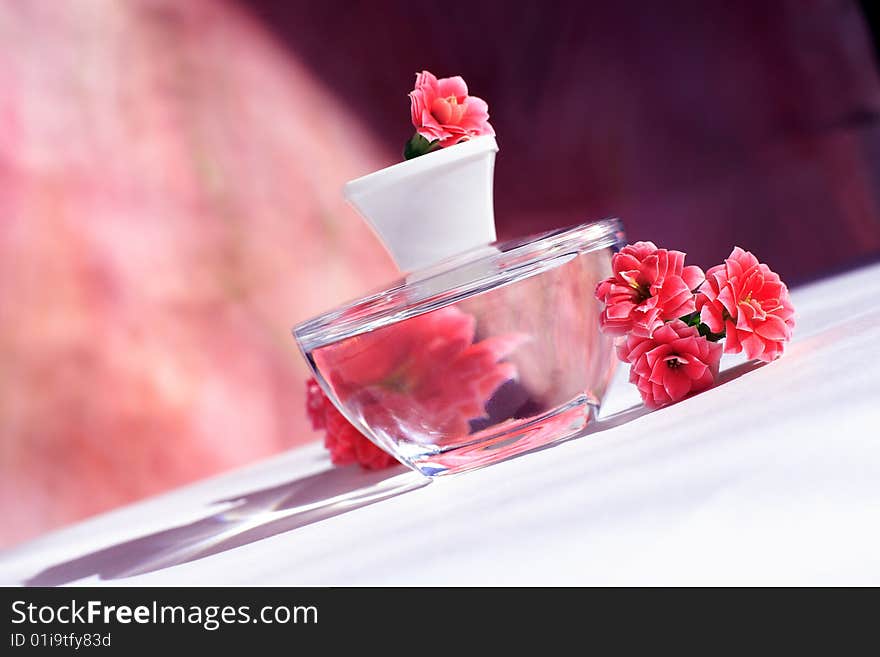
(484, 350)
(480, 357)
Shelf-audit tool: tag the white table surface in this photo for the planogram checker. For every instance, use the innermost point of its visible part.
(773, 477)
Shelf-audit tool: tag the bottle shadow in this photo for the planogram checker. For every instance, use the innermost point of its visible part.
(731, 373)
(245, 519)
(637, 411)
(263, 513)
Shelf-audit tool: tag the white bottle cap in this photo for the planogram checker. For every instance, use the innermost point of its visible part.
(433, 206)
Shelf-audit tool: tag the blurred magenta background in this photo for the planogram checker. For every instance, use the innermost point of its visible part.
(170, 201)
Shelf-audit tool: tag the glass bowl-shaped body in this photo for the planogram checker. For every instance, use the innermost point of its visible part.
(481, 357)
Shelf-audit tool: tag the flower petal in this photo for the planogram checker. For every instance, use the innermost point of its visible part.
(693, 276)
(454, 86)
(677, 384)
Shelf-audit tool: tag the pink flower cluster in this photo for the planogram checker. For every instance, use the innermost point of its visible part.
(673, 317)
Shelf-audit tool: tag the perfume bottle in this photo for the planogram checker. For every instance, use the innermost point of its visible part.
(483, 350)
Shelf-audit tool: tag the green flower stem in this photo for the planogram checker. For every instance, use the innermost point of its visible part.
(693, 319)
(418, 145)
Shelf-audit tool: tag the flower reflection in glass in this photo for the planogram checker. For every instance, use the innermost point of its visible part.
(425, 375)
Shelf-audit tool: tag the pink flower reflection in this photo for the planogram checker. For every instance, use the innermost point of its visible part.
(425, 373)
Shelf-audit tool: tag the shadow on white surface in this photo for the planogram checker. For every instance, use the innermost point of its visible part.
(737, 371)
(251, 517)
(264, 513)
(634, 412)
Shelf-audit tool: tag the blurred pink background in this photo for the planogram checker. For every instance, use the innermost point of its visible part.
(170, 201)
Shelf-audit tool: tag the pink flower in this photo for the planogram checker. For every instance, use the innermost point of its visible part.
(346, 444)
(442, 110)
(674, 362)
(315, 404)
(750, 304)
(648, 286)
(425, 372)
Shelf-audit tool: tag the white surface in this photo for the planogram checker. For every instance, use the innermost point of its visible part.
(773, 477)
(433, 206)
